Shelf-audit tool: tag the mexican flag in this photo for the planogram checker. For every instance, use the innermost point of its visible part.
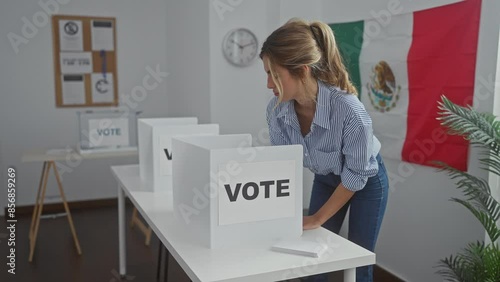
(402, 64)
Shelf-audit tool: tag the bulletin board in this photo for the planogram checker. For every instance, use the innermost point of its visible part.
(85, 71)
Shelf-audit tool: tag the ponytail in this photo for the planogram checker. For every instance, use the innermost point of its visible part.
(331, 68)
(298, 43)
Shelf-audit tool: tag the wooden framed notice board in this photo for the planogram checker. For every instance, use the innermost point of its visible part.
(85, 71)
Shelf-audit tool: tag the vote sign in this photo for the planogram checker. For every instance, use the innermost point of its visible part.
(108, 132)
(260, 191)
(163, 150)
(155, 147)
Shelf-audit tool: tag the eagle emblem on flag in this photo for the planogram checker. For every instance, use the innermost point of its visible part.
(383, 92)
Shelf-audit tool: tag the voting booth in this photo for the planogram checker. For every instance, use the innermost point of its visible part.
(107, 131)
(227, 193)
(155, 147)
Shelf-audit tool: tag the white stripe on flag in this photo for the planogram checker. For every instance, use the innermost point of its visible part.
(389, 43)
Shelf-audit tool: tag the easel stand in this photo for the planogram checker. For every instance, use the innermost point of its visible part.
(146, 230)
(37, 211)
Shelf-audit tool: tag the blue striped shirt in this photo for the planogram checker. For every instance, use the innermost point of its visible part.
(340, 141)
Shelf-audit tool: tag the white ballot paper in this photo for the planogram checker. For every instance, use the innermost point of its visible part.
(300, 247)
(102, 36)
(73, 89)
(70, 35)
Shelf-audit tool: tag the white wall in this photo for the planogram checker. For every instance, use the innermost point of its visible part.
(188, 55)
(28, 117)
(238, 96)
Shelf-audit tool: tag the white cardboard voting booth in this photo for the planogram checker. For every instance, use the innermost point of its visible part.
(155, 147)
(227, 193)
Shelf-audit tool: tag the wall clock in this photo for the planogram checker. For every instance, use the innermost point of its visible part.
(240, 47)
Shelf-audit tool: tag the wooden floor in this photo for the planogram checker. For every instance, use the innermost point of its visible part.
(56, 260)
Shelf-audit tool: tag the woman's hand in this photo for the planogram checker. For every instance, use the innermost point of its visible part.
(336, 201)
(310, 222)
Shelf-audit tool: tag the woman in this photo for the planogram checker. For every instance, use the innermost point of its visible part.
(316, 105)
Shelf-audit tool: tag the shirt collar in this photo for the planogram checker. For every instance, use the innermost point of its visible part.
(287, 112)
(323, 106)
(322, 114)
(285, 108)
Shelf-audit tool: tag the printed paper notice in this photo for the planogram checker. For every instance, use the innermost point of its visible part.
(73, 90)
(102, 88)
(76, 62)
(102, 36)
(70, 35)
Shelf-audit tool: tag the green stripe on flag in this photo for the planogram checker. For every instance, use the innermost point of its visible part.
(349, 38)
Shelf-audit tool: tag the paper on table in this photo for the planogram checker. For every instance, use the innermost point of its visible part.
(300, 247)
(70, 35)
(102, 88)
(73, 89)
(102, 36)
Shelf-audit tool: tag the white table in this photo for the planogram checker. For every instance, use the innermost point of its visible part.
(49, 157)
(245, 263)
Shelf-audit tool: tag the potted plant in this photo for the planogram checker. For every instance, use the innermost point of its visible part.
(478, 261)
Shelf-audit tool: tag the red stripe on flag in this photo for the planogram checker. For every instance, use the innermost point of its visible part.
(441, 60)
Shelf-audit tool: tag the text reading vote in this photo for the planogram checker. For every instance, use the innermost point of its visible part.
(252, 190)
(109, 131)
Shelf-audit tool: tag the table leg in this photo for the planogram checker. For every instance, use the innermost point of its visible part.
(148, 236)
(35, 208)
(134, 218)
(121, 232)
(142, 227)
(159, 262)
(66, 208)
(350, 275)
(167, 256)
(38, 212)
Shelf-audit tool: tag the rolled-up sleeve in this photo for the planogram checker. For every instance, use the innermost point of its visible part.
(359, 163)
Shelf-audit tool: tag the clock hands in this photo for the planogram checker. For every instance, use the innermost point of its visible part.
(241, 47)
(251, 43)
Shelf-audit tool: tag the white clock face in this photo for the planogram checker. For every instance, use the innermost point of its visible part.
(240, 47)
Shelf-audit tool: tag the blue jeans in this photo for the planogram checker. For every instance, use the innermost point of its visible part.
(365, 215)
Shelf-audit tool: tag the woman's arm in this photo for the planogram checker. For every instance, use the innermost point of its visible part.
(336, 201)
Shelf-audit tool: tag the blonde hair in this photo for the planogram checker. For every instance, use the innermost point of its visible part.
(299, 43)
